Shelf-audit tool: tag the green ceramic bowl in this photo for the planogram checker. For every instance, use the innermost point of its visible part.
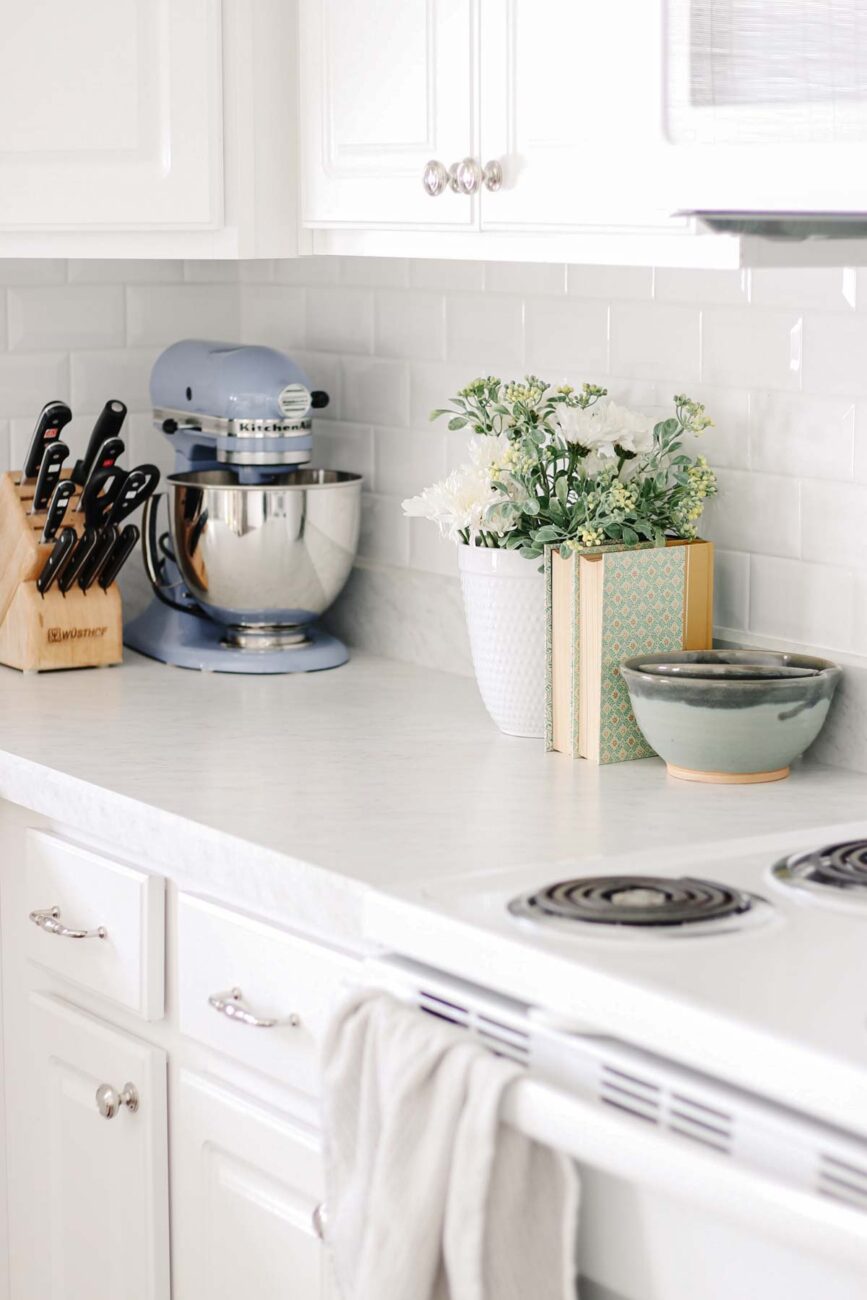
(730, 728)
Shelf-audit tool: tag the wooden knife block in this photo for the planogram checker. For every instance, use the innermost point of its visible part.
(39, 633)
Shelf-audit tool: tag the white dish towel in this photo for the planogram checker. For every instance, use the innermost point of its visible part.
(428, 1196)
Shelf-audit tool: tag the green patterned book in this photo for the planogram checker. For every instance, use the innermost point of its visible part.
(606, 605)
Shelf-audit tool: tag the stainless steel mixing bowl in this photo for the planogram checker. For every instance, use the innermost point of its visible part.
(263, 559)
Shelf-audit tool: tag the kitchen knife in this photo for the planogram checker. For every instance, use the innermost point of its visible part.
(85, 545)
(53, 417)
(108, 425)
(100, 493)
(49, 475)
(123, 549)
(57, 509)
(57, 561)
(109, 453)
(140, 483)
(90, 570)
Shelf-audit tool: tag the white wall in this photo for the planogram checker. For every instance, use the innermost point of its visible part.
(780, 358)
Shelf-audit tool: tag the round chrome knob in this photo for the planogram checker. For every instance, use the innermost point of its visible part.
(466, 177)
(435, 177)
(492, 175)
(109, 1100)
(320, 1220)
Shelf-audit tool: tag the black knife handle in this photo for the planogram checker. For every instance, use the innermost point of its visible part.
(84, 546)
(108, 425)
(124, 547)
(109, 453)
(57, 561)
(140, 483)
(57, 508)
(100, 493)
(49, 475)
(93, 565)
(53, 417)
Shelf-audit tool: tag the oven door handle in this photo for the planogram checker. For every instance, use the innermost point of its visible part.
(593, 1135)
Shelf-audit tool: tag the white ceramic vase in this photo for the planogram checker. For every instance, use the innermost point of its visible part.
(504, 600)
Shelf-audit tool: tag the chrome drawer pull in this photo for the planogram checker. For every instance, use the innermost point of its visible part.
(231, 1004)
(109, 1100)
(48, 919)
(320, 1220)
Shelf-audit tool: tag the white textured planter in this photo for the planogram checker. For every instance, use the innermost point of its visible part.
(504, 599)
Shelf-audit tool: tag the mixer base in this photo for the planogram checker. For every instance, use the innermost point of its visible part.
(187, 641)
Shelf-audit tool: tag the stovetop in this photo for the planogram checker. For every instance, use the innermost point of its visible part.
(746, 958)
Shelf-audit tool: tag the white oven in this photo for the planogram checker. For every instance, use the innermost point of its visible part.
(765, 105)
(691, 1189)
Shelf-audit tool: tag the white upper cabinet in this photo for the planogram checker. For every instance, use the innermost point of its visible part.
(110, 115)
(384, 90)
(765, 104)
(563, 89)
(148, 128)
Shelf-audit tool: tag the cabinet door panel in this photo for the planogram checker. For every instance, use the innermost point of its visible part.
(384, 91)
(246, 1183)
(110, 115)
(89, 1210)
(571, 107)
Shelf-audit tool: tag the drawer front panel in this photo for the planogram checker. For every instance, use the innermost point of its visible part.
(96, 922)
(276, 977)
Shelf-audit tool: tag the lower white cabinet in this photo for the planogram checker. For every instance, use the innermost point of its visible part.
(247, 1195)
(88, 1186)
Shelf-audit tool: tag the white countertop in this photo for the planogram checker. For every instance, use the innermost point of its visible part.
(295, 795)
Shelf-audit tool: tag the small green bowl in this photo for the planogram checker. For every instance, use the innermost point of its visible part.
(730, 729)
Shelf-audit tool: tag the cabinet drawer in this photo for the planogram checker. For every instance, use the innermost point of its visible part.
(287, 982)
(95, 922)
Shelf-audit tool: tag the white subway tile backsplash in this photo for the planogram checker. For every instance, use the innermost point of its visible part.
(375, 272)
(410, 324)
(384, 531)
(727, 443)
(32, 270)
(28, 382)
(567, 340)
(406, 462)
(731, 604)
(93, 270)
(344, 446)
(485, 332)
(649, 341)
(215, 271)
(674, 284)
(429, 551)
(122, 372)
(432, 386)
(447, 276)
(340, 320)
(65, 316)
(162, 314)
(374, 391)
(518, 277)
(755, 349)
(821, 288)
(634, 283)
(809, 604)
(834, 523)
(275, 315)
(835, 355)
(755, 512)
(808, 436)
(307, 270)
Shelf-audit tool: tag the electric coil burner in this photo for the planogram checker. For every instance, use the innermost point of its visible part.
(646, 902)
(839, 869)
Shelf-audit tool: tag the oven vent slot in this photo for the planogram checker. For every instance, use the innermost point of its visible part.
(701, 1123)
(629, 1092)
(841, 1180)
(496, 1035)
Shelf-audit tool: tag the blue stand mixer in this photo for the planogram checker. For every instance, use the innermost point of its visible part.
(258, 544)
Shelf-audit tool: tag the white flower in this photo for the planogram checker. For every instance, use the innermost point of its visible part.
(602, 426)
(459, 502)
(488, 449)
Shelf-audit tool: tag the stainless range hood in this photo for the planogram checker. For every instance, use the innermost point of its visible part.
(788, 226)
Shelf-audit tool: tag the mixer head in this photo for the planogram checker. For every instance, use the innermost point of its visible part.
(234, 404)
